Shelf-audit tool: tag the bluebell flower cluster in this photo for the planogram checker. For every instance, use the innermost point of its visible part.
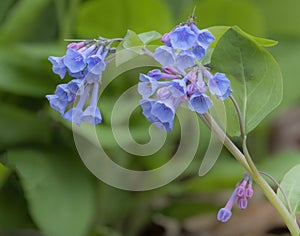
(241, 193)
(183, 78)
(84, 62)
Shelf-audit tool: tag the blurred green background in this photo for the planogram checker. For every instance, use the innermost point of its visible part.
(45, 189)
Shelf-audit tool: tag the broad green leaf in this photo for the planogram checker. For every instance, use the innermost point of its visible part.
(13, 207)
(260, 41)
(21, 20)
(95, 19)
(58, 189)
(290, 185)
(4, 7)
(4, 173)
(19, 126)
(129, 48)
(219, 31)
(255, 79)
(150, 36)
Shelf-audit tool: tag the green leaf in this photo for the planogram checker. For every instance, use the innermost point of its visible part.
(4, 173)
(132, 40)
(14, 214)
(19, 126)
(4, 7)
(260, 41)
(135, 45)
(150, 36)
(58, 189)
(24, 75)
(22, 19)
(95, 19)
(291, 187)
(219, 31)
(254, 75)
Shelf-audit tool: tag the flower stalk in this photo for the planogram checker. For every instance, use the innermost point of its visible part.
(246, 161)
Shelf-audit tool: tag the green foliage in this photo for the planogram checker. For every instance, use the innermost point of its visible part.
(291, 187)
(277, 165)
(255, 78)
(219, 31)
(280, 17)
(244, 13)
(24, 77)
(15, 132)
(150, 36)
(61, 201)
(22, 20)
(51, 192)
(123, 15)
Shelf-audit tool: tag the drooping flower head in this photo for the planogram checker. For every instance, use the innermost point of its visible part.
(84, 62)
(185, 46)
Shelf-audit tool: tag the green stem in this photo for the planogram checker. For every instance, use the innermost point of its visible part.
(212, 124)
(239, 113)
(246, 161)
(289, 220)
(280, 188)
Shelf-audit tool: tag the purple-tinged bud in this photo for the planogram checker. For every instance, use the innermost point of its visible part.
(168, 76)
(191, 89)
(169, 70)
(224, 215)
(249, 190)
(76, 46)
(242, 202)
(240, 190)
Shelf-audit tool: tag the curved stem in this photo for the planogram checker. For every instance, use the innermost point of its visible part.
(239, 113)
(268, 191)
(289, 220)
(246, 161)
(280, 188)
(212, 124)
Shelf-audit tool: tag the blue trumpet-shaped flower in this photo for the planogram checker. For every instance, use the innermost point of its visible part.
(182, 38)
(85, 62)
(165, 55)
(58, 66)
(219, 86)
(161, 113)
(200, 103)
